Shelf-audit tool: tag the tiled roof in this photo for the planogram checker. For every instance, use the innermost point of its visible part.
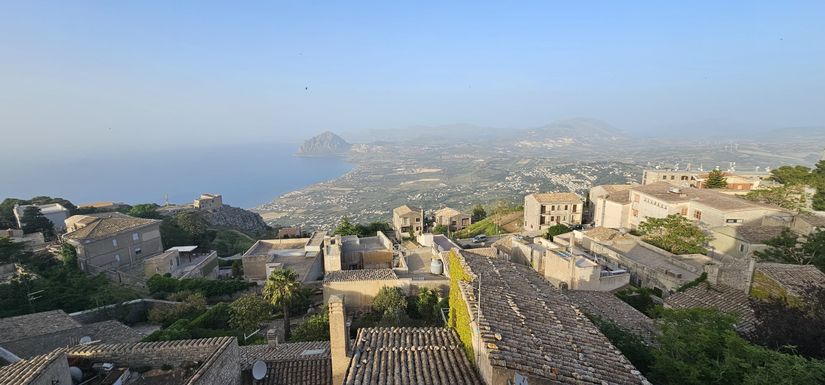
(360, 275)
(432, 356)
(620, 197)
(405, 209)
(603, 234)
(293, 363)
(147, 346)
(26, 371)
(614, 188)
(607, 306)
(30, 325)
(566, 197)
(707, 197)
(529, 326)
(111, 332)
(796, 279)
(720, 297)
(447, 212)
(758, 234)
(107, 224)
(813, 219)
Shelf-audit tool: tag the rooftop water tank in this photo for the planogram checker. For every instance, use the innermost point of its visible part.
(436, 267)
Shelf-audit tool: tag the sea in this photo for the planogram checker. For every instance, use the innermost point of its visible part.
(246, 175)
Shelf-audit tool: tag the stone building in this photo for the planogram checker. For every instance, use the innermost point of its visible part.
(407, 221)
(452, 219)
(48, 369)
(521, 318)
(208, 201)
(306, 363)
(302, 255)
(54, 212)
(112, 241)
(543, 210)
(742, 241)
(183, 262)
(610, 205)
(361, 286)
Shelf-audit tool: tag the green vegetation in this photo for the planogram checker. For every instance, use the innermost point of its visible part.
(784, 324)
(700, 346)
(193, 304)
(33, 221)
(478, 213)
(556, 229)
(702, 278)
(459, 314)
(50, 284)
(191, 228)
(641, 299)
(345, 227)
(7, 220)
(214, 322)
(391, 304)
(790, 197)
(674, 233)
(146, 210)
(788, 248)
(441, 229)
(280, 289)
(716, 179)
(163, 286)
(315, 328)
(248, 312)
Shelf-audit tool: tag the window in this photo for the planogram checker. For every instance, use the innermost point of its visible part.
(684, 211)
(741, 247)
(684, 177)
(566, 207)
(574, 208)
(697, 215)
(543, 209)
(418, 219)
(635, 212)
(672, 177)
(117, 257)
(114, 242)
(135, 237)
(553, 208)
(552, 218)
(137, 250)
(664, 177)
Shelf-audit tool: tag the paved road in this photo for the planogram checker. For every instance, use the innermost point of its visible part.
(468, 243)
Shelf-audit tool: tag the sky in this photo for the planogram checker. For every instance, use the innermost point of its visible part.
(104, 76)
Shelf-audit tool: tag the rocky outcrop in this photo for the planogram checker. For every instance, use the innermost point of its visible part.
(325, 144)
(235, 218)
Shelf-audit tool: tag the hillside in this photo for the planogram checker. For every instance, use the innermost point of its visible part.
(327, 143)
(494, 224)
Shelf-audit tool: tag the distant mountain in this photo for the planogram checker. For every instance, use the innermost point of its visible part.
(447, 132)
(564, 133)
(325, 144)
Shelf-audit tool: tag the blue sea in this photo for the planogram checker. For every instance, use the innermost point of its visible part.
(246, 175)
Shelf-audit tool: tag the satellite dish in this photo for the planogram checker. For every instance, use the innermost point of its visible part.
(85, 340)
(76, 373)
(259, 370)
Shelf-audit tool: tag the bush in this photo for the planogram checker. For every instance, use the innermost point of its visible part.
(556, 229)
(315, 328)
(389, 300)
(163, 286)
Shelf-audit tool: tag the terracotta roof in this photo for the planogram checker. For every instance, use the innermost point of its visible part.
(360, 275)
(707, 197)
(432, 356)
(292, 363)
(107, 224)
(758, 234)
(147, 346)
(607, 306)
(36, 324)
(27, 371)
(565, 197)
(405, 209)
(529, 326)
(447, 211)
(796, 279)
(720, 297)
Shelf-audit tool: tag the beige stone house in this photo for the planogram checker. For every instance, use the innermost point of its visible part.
(736, 180)
(453, 219)
(610, 205)
(708, 207)
(112, 241)
(543, 210)
(407, 220)
(805, 224)
(208, 201)
(742, 241)
(302, 255)
(183, 262)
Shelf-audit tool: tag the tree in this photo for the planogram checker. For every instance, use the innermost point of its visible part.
(280, 288)
(478, 213)
(11, 251)
(237, 268)
(248, 311)
(556, 229)
(427, 305)
(146, 210)
(441, 229)
(315, 328)
(68, 254)
(791, 197)
(345, 227)
(389, 301)
(716, 179)
(674, 233)
(791, 175)
(780, 324)
(788, 248)
(33, 221)
(818, 200)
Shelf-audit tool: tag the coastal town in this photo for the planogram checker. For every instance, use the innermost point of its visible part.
(582, 283)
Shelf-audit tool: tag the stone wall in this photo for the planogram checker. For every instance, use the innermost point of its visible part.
(129, 312)
(55, 372)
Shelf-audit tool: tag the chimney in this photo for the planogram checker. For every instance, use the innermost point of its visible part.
(338, 339)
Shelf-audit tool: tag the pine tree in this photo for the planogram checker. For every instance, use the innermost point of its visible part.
(716, 179)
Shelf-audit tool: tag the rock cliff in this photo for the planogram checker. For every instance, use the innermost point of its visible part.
(235, 218)
(325, 144)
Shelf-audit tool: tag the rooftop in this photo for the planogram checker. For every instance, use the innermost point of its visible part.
(796, 279)
(432, 356)
(607, 306)
(27, 371)
(36, 324)
(620, 197)
(103, 225)
(665, 191)
(360, 275)
(405, 209)
(565, 197)
(614, 188)
(753, 234)
(530, 326)
(292, 363)
(720, 297)
(447, 212)
(49, 208)
(815, 220)
(686, 267)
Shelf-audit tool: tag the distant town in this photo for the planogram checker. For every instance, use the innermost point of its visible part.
(682, 275)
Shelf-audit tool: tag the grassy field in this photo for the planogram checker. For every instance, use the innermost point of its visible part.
(494, 224)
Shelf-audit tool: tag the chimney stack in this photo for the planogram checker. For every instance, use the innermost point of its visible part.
(338, 339)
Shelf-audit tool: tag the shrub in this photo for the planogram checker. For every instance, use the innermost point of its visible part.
(389, 300)
(315, 328)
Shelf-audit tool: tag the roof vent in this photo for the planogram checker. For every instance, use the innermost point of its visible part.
(675, 190)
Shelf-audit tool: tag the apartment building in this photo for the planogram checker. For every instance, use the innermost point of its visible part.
(737, 180)
(111, 241)
(453, 219)
(610, 205)
(407, 221)
(543, 210)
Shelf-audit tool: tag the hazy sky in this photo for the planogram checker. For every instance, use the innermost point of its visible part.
(95, 75)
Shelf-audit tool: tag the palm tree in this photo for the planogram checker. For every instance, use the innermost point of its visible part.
(280, 288)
